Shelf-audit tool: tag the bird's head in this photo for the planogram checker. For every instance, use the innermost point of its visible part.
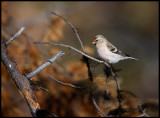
(99, 39)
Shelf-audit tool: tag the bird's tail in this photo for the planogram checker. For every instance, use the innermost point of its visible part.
(131, 58)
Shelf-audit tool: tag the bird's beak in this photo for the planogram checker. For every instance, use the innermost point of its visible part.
(94, 43)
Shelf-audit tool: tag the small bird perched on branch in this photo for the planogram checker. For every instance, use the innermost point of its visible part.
(107, 51)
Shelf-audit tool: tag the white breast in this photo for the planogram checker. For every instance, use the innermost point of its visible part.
(107, 55)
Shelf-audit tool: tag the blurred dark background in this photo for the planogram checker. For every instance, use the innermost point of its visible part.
(131, 26)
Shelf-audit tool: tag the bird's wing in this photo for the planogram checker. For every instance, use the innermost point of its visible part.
(113, 49)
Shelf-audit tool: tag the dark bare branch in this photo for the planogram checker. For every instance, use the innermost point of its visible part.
(20, 80)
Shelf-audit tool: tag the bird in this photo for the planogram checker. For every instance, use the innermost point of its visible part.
(108, 52)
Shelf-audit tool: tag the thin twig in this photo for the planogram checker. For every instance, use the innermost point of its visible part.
(143, 112)
(67, 84)
(70, 47)
(95, 104)
(75, 31)
(44, 65)
(15, 36)
(43, 88)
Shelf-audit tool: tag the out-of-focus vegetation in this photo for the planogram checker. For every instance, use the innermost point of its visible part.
(130, 26)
